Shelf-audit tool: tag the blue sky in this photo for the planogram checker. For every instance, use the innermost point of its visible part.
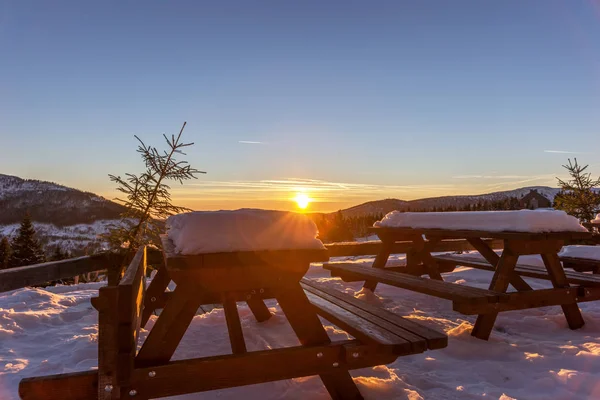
(350, 100)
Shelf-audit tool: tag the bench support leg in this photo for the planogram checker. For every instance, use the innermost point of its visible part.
(490, 256)
(259, 309)
(380, 261)
(155, 294)
(163, 339)
(307, 326)
(234, 326)
(504, 270)
(559, 280)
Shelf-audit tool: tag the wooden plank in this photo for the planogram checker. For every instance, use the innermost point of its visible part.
(259, 309)
(531, 271)
(211, 373)
(71, 386)
(15, 278)
(500, 281)
(433, 338)
(559, 280)
(534, 247)
(360, 327)
(307, 326)
(374, 247)
(423, 254)
(581, 264)
(515, 280)
(445, 290)
(234, 326)
(167, 332)
(155, 294)
(338, 309)
(533, 299)
(380, 261)
(463, 234)
(108, 343)
(131, 290)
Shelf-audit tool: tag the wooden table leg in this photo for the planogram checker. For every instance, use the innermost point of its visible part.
(422, 250)
(380, 261)
(155, 294)
(504, 269)
(167, 332)
(490, 255)
(307, 326)
(234, 326)
(559, 280)
(259, 309)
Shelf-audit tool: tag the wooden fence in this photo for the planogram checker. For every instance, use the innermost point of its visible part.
(38, 274)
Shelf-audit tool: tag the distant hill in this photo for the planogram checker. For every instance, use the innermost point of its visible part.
(62, 216)
(388, 205)
(51, 203)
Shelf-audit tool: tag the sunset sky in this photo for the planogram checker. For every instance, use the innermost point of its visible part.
(344, 101)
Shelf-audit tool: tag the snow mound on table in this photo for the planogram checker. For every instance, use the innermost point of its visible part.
(589, 252)
(597, 219)
(201, 232)
(494, 221)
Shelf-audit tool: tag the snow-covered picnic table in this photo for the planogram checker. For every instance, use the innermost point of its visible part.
(225, 258)
(524, 232)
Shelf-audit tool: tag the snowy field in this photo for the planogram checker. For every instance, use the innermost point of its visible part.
(531, 354)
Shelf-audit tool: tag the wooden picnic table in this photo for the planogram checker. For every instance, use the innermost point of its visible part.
(228, 278)
(469, 300)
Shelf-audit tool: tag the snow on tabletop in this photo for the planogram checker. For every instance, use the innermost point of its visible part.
(202, 232)
(577, 251)
(532, 354)
(597, 219)
(533, 221)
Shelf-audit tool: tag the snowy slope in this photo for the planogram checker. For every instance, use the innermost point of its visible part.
(387, 205)
(51, 203)
(531, 355)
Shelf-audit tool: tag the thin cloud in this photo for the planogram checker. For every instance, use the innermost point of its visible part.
(490, 177)
(249, 142)
(565, 152)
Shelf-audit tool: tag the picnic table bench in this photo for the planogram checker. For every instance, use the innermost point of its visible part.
(227, 278)
(470, 300)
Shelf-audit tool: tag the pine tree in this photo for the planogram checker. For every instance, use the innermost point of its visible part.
(147, 196)
(5, 252)
(26, 250)
(577, 196)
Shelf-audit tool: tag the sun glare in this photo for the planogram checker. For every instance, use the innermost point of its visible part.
(302, 200)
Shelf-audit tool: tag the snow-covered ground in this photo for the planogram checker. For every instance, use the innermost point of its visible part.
(531, 354)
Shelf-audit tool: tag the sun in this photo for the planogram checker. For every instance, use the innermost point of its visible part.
(302, 200)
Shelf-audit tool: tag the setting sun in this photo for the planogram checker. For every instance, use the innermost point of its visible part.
(302, 200)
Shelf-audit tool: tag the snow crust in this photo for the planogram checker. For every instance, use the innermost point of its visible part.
(580, 251)
(201, 232)
(532, 354)
(494, 221)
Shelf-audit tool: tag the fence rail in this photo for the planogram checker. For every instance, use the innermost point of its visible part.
(15, 278)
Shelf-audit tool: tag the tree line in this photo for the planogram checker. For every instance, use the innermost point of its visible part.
(25, 249)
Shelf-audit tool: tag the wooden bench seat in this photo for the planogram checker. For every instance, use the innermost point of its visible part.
(530, 271)
(461, 296)
(581, 264)
(370, 324)
(471, 300)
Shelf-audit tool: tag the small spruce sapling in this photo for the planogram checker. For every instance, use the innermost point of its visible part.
(147, 198)
(578, 196)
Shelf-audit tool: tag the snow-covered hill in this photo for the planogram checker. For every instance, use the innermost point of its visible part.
(62, 216)
(387, 205)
